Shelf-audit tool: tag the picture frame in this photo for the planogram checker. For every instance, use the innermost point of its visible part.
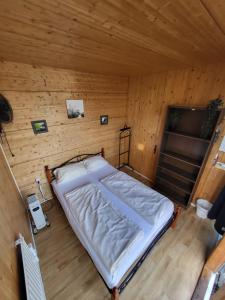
(75, 108)
(104, 119)
(39, 126)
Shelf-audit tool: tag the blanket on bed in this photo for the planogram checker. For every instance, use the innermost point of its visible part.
(111, 234)
(144, 200)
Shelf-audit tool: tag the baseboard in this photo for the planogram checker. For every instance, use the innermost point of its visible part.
(143, 176)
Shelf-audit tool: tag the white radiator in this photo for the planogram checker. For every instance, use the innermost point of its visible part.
(32, 274)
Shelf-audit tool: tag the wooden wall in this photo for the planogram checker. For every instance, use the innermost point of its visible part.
(13, 220)
(39, 93)
(149, 97)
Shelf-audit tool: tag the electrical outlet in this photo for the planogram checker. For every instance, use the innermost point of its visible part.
(38, 180)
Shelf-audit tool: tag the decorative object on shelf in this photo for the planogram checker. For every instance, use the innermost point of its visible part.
(104, 119)
(6, 116)
(173, 119)
(39, 126)
(125, 134)
(75, 108)
(208, 126)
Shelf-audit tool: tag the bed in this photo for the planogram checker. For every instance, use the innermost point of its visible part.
(107, 209)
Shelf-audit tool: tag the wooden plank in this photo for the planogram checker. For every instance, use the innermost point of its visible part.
(51, 106)
(13, 219)
(18, 77)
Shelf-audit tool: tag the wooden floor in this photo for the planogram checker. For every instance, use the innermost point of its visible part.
(170, 272)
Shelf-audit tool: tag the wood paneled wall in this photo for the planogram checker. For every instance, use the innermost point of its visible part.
(149, 97)
(40, 93)
(13, 220)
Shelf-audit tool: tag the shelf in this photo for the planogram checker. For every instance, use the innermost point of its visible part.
(176, 183)
(185, 159)
(178, 172)
(181, 134)
(172, 195)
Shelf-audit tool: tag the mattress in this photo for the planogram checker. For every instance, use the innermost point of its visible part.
(149, 230)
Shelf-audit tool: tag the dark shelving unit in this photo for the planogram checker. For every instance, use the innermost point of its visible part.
(184, 151)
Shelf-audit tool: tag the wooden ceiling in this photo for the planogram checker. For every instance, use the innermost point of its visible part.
(124, 37)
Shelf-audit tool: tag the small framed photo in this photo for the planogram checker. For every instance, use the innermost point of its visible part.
(39, 126)
(75, 108)
(104, 120)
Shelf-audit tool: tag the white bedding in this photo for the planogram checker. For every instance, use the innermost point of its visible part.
(111, 233)
(136, 250)
(144, 200)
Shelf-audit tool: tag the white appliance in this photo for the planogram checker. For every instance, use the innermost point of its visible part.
(36, 212)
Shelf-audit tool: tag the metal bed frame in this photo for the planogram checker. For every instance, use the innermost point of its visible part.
(171, 223)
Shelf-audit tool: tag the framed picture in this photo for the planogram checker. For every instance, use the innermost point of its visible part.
(104, 120)
(75, 108)
(39, 126)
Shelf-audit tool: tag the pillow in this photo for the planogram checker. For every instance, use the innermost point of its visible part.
(70, 172)
(95, 163)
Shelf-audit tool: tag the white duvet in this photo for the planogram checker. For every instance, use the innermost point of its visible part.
(109, 232)
(148, 203)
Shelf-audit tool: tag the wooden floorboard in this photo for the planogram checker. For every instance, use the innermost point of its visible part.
(170, 272)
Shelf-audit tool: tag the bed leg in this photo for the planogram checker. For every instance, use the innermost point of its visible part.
(115, 294)
(103, 152)
(48, 174)
(177, 214)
